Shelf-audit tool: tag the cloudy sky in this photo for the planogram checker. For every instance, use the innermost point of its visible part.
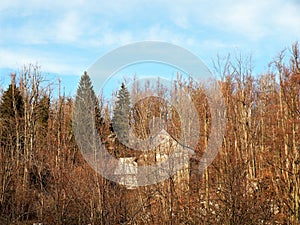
(67, 38)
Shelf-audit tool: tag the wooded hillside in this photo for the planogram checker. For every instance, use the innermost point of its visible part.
(255, 178)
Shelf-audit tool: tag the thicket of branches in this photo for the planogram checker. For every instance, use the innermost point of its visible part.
(255, 178)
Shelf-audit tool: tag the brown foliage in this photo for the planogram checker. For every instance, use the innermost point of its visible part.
(255, 178)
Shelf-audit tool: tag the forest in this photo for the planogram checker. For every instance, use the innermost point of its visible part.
(255, 178)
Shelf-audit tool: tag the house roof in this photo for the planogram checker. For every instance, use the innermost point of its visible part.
(127, 167)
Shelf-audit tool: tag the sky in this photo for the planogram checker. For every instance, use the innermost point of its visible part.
(66, 37)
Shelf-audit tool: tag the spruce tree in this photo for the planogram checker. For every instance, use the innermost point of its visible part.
(11, 118)
(42, 112)
(86, 114)
(12, 105)
(121, 116)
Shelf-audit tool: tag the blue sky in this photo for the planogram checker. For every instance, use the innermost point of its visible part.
(67, 38)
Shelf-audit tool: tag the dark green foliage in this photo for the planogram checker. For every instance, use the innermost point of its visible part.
(43, 110)
(86, 114)
(12, 105)
(11, 119)
(85, 93)
(121, 116)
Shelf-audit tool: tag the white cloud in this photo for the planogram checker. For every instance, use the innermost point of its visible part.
(204, 24)
(49, 62)
(181, 21)
(253, 20)
(110, 38)
(287, 20)
(160, 33)
(68, 28)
